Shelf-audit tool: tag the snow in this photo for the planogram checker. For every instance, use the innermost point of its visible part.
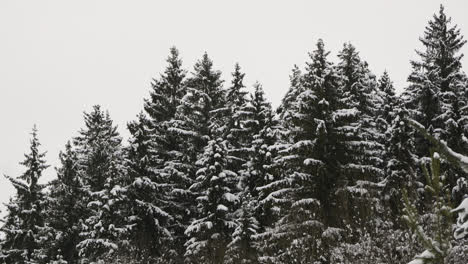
(230, 197)
(222, 207)
(462, 223)
(421, 259)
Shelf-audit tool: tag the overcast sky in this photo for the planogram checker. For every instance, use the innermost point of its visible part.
(58, 58)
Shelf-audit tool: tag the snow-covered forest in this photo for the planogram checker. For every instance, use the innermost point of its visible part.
(345, 170)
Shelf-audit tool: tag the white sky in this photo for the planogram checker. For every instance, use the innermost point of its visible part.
(58, 58)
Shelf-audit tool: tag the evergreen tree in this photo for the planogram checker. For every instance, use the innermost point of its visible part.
(287, 106)
(198, 118)
(210, 233)
(65, 208)
(437, 223)
(359, 150)
(236, 135)
(165, 97)
(242, 248)
(24, 226)
(435, 95)
(147, 196)
(435, 80)
(258, 172)
(400, 169)
(259, 124)
(101, 167)
(307, 165)
(387, 104)
(154, 145)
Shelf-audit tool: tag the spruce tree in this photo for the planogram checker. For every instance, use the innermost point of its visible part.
(259, 170)
(307, 167)
(147, 196)
(65, 208)
(242, 248)
(435, 94)
(161, 106)
(433, 229)
(287, 106)
(153, 147)
(101, 167)
(198, 118)
(387, 104)
(359, 150)
(401, 171)
(259, 125)
(236, 135)
(24, 226)
(210, 233)
(436, 77)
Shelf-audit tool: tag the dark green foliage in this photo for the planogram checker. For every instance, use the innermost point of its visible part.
(24, 226)
(65, 208)
(210, 234)
(101, 168)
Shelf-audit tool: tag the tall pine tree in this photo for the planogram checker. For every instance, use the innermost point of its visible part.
(198, 118)
(210, 233)
(101, 167)
(24, 223)
(435, 95)
(65, 208)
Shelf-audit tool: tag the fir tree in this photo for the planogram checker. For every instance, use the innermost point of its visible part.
(307, 162)
(155, 146)
(258, 171)
(198, 118)
(24, 226)
(258, 123)
(287, 106)
(165, 97)
(147, 196)
(359, 150)
(242, 248)
(436, 77)
(435, 94)
(388, 103)
(210, 234)
(437, 242)
(65, 208)
(236, 134)
(400, 169)
(101, 167)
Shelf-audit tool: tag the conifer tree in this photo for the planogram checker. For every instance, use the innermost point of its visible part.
(153, 147)
(198, 118)
(436, 76)
(258, 172)
(400, 169)
(210, 233)
(435, 94)
(438, 225)
(359, 149)
(65, 208)
(258, 123)
(287, 106)
(165, 97)
(236, 134)
(389, 98)
(146, 199)
(24, 226)
(101, 167)
(242, 248)
(304, 190)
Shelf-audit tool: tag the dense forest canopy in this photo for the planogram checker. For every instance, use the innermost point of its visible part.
(345, 170)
